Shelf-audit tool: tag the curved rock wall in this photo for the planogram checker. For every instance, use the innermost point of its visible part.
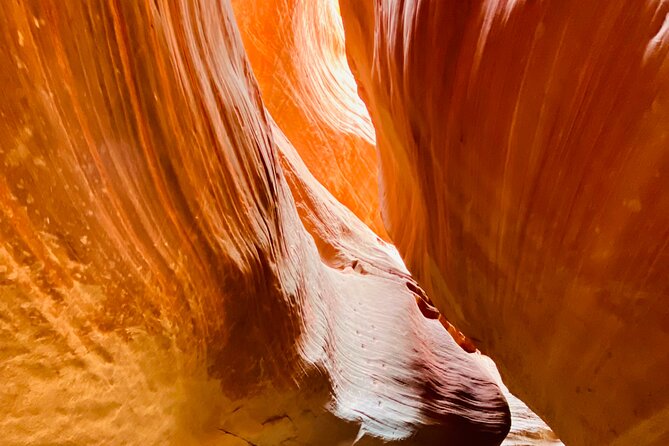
(296, 49)
(170, 272)
(524, 162)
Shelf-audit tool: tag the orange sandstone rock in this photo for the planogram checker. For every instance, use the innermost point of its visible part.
(170, 272)
(296, 49)
(524, 158)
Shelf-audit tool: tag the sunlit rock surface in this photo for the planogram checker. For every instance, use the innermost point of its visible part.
(296, 49)
(170, 272)
(525, 165)
(275, 48)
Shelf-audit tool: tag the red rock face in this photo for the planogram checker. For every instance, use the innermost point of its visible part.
(524, 164)
(170, 271)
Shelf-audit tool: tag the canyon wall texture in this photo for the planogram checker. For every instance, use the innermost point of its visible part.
(524, 175)
(296, 49)
(170, 271)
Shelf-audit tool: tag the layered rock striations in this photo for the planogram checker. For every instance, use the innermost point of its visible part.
(296, 49)
(170, 271)
(524, 166)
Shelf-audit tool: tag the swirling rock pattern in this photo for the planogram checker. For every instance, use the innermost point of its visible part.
(171, 273)
(526, 144)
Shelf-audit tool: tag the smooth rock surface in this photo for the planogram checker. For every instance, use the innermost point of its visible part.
(297, 82)
(296, 49)
(525, 165)
(171, 273)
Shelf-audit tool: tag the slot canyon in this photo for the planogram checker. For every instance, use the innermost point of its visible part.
(334, 222)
